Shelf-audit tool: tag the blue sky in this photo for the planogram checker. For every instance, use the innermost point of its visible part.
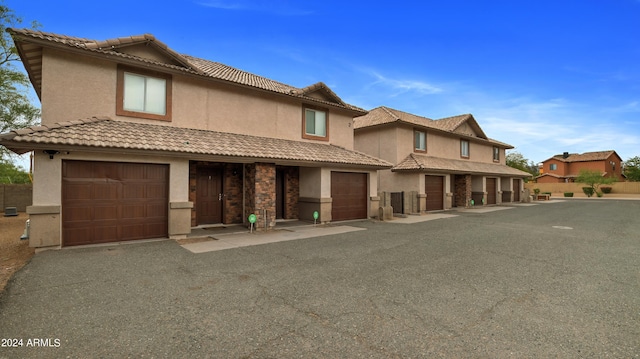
(545, 76)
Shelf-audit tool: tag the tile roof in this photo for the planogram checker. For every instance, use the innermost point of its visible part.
(385, 115)
(422, 163)
(184, 63)
(382, 115)
(584, 157)
(106, 133)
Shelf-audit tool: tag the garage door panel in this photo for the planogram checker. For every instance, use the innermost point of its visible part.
(349, 193)
(132, 172)
(104, 212)
(109, 201)
(155, 191)
(101, 191)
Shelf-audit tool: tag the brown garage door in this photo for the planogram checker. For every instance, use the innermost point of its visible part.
(434, 188)
(491, 191)
(349, 194)
(109, 202)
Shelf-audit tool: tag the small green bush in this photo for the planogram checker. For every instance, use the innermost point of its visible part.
(588, 191)
(606, 189)
(549, 193)
(599, 194)
(568, 194)
(536, 190)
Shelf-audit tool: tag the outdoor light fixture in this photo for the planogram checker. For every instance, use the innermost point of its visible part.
(51, 153)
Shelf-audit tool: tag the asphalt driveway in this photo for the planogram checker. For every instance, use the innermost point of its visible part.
(550, 280)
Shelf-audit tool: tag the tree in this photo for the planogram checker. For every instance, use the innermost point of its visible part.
(593, 180)
(517, 160)
(9, 173)
(16, 109)
(632, 169)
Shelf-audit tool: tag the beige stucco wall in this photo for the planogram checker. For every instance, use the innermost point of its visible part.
(90, 90)
(395, 143)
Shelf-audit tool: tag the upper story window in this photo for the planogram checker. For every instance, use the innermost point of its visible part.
(464, 148)
(143, 94)
(496, 154)
(553, 166)
(315, 123)
(420, 141)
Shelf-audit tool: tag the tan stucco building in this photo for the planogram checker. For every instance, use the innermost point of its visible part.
(138, 141)
(438, 164)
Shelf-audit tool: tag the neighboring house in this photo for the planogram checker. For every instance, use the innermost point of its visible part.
(438, 164)
(567, 166)
(138, 141)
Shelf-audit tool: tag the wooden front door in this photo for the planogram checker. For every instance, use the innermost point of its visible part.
(280, 194)
(434, 188)
(516, 190)
(209, 195)
(491, 191)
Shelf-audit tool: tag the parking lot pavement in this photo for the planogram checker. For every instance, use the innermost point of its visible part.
(552, 280)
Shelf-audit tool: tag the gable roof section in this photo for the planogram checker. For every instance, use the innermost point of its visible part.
(453, 124)
(104, 133)
(384, 115)
(423, 163)
(30, 44)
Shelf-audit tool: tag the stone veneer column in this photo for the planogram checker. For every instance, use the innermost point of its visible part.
(260, 194)
(463, 190)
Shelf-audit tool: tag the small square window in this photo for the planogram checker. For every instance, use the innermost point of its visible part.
(464, 148)
(315, 124)
(553, 167)
(420, 141)
(496, 154)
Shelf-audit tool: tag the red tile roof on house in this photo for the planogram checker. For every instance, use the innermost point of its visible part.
(104, 133)
(584, 157)
(31, 41)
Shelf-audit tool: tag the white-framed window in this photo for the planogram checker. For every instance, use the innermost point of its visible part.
(143, 94)
(315, 123)
(464, 148)
(420, 141)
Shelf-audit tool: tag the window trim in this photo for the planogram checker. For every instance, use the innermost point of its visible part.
(468, 149)
(553, 166)
(120, 111)
(304, 123)
(415, 144)
(496, 154)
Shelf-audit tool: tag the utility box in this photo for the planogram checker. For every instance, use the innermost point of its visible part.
(10, 211)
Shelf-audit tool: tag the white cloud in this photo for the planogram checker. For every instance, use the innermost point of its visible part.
(403, 86)
(278, 8)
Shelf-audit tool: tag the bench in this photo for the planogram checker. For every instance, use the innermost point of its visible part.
(543, 197)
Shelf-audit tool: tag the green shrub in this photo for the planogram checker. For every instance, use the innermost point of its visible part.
(599, 194)
(588, 191)
(606, 189)
(536, 190)
(549, 193)
(568, 194)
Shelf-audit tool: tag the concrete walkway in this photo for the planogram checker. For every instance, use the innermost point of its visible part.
(220, 242)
